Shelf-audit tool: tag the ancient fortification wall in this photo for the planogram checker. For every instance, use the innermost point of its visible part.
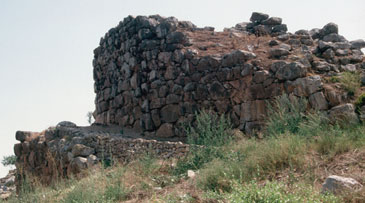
(153, 73)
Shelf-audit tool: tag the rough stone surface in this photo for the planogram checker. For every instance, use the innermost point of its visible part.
(344, 113)
(337, 184)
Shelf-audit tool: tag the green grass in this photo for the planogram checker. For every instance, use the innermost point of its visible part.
(228, 169)
(276, 192)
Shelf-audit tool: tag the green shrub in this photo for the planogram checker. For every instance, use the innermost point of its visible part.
(285, 115)
(209, 130)
(209, 133)
(360, 101)
(334, 79)
(9, 160)
(350, 82)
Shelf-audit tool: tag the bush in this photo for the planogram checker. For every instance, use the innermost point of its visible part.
(285, 115)
(360, 101)
(350, 82)
(207, 136)
(9, 160)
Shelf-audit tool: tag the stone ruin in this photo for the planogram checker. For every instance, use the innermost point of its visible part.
(152, 74)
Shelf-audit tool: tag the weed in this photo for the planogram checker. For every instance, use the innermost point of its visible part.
(350, 82)
(360, 101)
(276, 192)
(210, 133)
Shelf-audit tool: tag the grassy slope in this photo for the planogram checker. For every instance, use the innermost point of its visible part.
(297, 152)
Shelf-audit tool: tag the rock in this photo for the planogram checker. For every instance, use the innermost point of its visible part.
(280, 29)
(329, 29)
(334, 38)
(82, 150)
(257, 17)
(237, 57)
(333, 98)
(272, 21)
(308, 85)
(253, 110)
(68, 124)
(283, 37)
(176, 37)
(191, 174)
(261, 76)
(165, 130)
(337, 184)
(357, 44)
(10, 181)
(217, 91)
(329, 54)
(322, 66)
(80, 162)
(170, 113)
(291, 71)
(302, 32)
(92, 160)
(146, 122)
(24, 135)
(278, 52)
(318, 101)
(173, 99)
(349, 68)
(344, 113)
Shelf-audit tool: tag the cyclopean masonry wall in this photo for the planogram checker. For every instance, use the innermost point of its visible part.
(153, 73)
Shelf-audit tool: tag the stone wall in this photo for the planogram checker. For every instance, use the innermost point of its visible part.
(153, 73)
(66, 150)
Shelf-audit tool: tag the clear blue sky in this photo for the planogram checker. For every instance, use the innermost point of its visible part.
(46, 47)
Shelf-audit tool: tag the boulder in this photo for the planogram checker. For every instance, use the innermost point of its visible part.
(25, 135)
(280, 28)
(170, 113)
(272, 21)
(165, 130)
(81, 150)
(318, 101)
(257, 17)
(308, 85)
(291, 71)
(68, 124)
(92, 160)
(329, 29)
(337, 184)
(80, 162)
(278, 52)
(237, 57)
(343, 113)
(357, 44)
(333, 37)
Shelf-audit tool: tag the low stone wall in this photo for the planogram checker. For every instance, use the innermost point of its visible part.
(64, 151)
